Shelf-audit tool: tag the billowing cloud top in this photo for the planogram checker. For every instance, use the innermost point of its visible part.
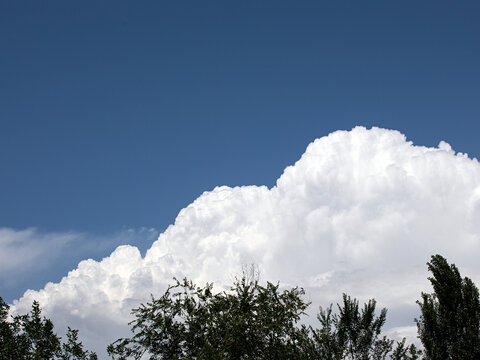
(361, 212)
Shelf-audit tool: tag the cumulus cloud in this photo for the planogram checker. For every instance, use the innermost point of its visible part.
(360, 212)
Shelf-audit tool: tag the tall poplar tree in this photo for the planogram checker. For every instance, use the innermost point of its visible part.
(450, 316)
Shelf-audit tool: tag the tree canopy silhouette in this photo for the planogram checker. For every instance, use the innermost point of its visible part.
(253, 321)
(450, 316)
(31, 336)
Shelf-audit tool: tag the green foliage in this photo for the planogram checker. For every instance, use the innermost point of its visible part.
(403, 352)
(31, 337)
(450, 317)
(326, 340)
(354, 334)
(249, 322)
(37, 336)
(359, 331)
(73, 349)
(8, 342)
(253, 322)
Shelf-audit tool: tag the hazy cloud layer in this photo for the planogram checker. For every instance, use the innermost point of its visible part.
(22, 250)
(361, 212)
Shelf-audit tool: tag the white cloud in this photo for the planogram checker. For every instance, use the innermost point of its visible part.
(361, 212)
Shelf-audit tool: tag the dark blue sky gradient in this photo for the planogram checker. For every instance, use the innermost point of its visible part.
(118, 114)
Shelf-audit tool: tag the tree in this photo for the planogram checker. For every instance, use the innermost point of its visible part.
(37, 337)
(253, 322)
(354, 334)
(188, 322)
(73, 349)
(8, 342)
(450, 317)
(31, 336)
(404, 352)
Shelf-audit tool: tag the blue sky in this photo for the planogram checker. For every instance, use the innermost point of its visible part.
(116, 115)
